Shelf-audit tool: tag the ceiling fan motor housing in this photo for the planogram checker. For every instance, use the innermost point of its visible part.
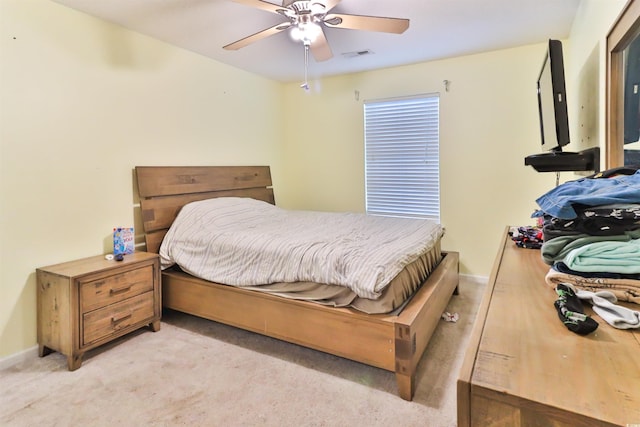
(304, 12)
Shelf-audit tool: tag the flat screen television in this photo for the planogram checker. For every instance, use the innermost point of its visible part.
(552, 100)
(554, 121)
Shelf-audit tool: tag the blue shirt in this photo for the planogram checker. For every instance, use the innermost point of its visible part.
(559, 201)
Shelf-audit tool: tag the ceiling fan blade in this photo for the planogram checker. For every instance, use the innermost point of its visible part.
(320, 48)
(259, 4)
(368, 23)
(257, 36)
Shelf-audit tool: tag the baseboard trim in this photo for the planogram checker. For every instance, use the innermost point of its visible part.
(19, 357)
(480, 280)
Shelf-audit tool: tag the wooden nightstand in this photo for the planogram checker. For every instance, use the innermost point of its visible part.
(88, 302)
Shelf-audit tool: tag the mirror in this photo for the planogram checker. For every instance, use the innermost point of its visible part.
(623, 89)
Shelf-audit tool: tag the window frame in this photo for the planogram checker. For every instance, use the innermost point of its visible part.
(402, 156)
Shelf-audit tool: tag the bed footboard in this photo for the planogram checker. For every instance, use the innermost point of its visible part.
(391, 342)
(415, 325)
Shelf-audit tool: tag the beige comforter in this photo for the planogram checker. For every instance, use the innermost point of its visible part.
(246, 242)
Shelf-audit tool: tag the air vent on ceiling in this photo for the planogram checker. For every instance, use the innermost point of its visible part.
(357, 53)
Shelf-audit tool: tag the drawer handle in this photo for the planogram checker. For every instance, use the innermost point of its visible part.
(120, 289)
(118, 319)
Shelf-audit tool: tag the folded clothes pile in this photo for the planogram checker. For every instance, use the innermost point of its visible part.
(591, 234)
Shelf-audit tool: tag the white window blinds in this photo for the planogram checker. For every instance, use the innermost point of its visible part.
(402, 157)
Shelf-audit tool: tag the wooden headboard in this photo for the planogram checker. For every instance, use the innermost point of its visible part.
(164, 190)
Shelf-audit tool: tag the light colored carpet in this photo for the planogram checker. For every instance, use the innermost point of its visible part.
(200, 373)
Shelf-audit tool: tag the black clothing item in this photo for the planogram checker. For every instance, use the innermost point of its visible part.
(571, 312)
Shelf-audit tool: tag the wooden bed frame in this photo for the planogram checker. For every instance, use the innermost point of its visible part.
(392, 342)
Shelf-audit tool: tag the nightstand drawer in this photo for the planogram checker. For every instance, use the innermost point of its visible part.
(118, 287)
(116, 317)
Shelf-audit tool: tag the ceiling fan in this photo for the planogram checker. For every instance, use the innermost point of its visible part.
(306, 19)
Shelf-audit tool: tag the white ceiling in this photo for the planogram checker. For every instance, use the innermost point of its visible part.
(438, 29)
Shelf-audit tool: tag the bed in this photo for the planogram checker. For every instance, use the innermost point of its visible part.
(392, 341)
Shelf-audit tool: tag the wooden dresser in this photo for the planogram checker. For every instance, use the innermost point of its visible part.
(523, 367)
(88, 302)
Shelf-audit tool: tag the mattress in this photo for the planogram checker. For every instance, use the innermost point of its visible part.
(372, 264)
(393, 298)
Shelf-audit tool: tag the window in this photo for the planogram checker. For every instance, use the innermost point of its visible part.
(402, 173)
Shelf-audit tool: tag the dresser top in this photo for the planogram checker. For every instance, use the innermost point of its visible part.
(526, 352)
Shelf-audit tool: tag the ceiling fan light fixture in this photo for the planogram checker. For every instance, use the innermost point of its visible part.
(306, 32)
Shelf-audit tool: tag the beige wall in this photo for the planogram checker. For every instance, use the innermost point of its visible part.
(586, 71)
(83, 102)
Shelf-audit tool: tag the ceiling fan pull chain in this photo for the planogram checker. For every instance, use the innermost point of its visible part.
(305, 85)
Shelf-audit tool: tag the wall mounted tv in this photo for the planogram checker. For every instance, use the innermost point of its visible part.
(552, 100)
(554, 120)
